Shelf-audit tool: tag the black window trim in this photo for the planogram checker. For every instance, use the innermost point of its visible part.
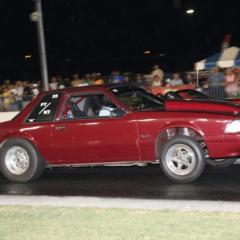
(85, 118)
(55, 115)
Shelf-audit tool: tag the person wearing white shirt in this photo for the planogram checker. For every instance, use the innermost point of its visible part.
(176, 81)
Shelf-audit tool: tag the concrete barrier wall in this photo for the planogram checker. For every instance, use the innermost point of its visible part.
(6, 116)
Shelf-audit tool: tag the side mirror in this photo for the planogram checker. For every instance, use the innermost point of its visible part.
(117, 112)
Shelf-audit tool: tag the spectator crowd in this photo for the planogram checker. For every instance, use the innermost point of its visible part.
(15, 95)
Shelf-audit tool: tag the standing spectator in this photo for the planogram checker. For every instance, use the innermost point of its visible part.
(13, 91)
(140, 80)
(7, 98)
(189, 79)
(216, 84)
(7, 82)
(216, 77)
(53, 83)
(27, 93)
(61, 84)
(83, 83)
(67, 82)
(92, 79)
(126, 78)
(19, 94)
(176, 80)
(231, 86)
(167, 83)
(98, 80)
(76, 81)
(35, 90)
(156, 82)
(237, 71)
(157, 71)
(1, 99)
(117, 77)
(88, 78)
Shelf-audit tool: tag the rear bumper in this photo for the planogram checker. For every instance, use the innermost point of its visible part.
(226, 147)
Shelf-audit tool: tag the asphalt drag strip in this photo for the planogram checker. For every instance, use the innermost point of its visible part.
(133, 187)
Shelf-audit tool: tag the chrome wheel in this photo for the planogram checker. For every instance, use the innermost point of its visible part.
(17, 160)
(181, 159)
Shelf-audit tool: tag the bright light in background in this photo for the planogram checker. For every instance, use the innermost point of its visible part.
(147, 52)
(190, 11)
(28, 56)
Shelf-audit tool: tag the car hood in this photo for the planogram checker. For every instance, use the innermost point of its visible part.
(203, 106)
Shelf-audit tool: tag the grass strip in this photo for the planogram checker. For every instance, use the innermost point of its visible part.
(47, 223)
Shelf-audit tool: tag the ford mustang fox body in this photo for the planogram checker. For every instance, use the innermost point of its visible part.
(118, 125)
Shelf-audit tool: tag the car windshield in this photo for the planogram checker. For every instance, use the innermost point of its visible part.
(137, 99)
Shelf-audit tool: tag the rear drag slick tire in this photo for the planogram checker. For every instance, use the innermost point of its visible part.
(182, 159)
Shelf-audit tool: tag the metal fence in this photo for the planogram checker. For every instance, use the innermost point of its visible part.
(222, 91)
(215, 91)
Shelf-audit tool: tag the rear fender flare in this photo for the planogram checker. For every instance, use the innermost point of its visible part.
(172, 130)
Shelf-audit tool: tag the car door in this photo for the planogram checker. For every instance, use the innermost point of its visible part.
(86, 134)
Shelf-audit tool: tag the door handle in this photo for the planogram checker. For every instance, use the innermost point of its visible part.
(61, 128)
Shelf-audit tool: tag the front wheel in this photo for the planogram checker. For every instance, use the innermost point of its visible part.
(182, 159)
(20, 161)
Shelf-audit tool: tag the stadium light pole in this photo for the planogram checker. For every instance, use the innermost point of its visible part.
(37, 17)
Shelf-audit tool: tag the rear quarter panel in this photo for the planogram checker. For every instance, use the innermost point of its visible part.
(151, 124)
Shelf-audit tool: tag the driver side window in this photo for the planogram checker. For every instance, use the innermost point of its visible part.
(90, 106)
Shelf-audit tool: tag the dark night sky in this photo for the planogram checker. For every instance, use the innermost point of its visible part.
(94, 35)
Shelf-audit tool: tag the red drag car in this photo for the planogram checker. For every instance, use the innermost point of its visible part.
(117, 125)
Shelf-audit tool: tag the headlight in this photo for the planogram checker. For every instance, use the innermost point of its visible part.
(233, 127)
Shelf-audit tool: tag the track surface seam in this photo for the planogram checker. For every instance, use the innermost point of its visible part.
(102, 202)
